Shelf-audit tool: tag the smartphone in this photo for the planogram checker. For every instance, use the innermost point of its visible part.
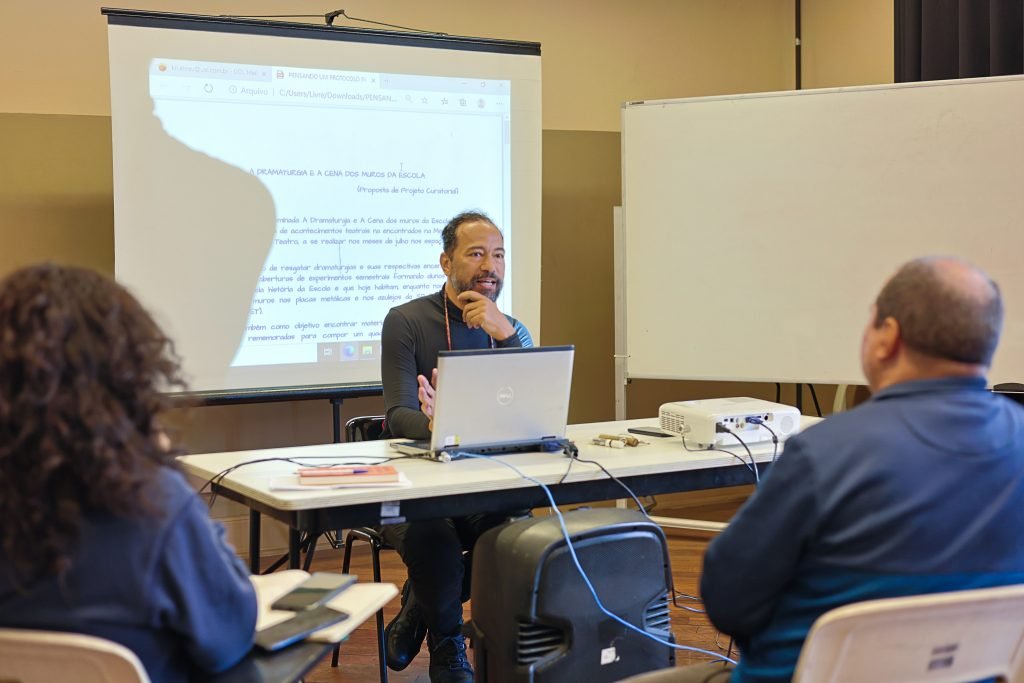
(298, 627)
(650, 431)
(314, 591)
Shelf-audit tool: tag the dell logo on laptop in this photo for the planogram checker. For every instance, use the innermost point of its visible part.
(505, 396)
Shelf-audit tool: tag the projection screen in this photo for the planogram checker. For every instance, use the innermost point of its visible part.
(279, 187)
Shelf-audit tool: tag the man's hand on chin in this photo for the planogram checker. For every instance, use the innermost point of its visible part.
(479, 311)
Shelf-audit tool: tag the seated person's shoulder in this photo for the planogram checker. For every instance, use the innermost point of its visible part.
(173, 483)
(408, 314)
(415, 307)
(862, 427)
(171, 492)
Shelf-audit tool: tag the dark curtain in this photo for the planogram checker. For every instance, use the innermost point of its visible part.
(941, 39)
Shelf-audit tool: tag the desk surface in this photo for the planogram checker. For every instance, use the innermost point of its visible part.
(359, 601)
(468, 485)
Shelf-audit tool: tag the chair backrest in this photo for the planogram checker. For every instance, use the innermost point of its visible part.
(938, 638)
(47, 656)
(366, 428)
(1011, 390)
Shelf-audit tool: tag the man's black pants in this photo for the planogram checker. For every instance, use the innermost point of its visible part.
(432, 551)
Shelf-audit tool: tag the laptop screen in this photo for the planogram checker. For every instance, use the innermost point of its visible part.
(501, 396)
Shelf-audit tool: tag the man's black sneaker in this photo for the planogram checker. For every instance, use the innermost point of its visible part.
(448, 662)
(403, 637)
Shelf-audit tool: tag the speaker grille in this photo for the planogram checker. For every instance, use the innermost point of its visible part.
(536, 641)
(656, 616)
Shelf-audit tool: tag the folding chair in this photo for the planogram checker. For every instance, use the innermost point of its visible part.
(937, 638)
(28, 656)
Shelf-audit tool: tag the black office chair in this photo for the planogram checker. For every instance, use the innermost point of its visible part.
(367, 428)
(1012, 390)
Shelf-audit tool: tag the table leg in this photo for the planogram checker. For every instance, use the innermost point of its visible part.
(293, 548)
(254, 541)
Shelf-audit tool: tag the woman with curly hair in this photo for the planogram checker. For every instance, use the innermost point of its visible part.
(101, 534)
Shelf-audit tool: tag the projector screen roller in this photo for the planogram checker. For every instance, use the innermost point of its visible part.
(278, 188)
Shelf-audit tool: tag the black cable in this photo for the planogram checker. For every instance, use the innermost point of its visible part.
(753, 463)
(309, 541)
(778, 392)
(567, 470)
(644, 510)
(341, 12)
(615, 479)
(219, 477)
(814, 397)
(272, 16)
(328, 18)
(719, 645)
(722, 450)
(775, 437)
(675, 600)
(583, 574)
(573, 452)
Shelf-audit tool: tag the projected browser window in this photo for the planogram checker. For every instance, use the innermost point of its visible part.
(364, 170)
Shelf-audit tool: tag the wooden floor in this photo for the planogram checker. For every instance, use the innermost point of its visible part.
(359, 653)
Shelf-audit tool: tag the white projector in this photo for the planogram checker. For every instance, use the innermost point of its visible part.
(701, 423)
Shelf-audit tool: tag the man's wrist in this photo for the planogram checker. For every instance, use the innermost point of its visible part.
(509, 340)
(504, 332)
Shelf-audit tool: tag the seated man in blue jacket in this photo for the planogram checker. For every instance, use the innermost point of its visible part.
(919, 490)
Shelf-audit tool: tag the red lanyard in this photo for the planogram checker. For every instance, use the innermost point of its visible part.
(448, 326)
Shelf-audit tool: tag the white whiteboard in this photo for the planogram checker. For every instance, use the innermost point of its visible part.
(759, 228)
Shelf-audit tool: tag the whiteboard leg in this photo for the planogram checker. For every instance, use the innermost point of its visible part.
(619, 260)
(839, 404)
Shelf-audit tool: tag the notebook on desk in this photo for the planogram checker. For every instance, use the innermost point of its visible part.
(490, 402)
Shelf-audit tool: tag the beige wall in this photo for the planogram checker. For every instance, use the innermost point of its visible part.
(56, 192)
(55, 170)
(581, 187)
(597, 53)
(847, 42)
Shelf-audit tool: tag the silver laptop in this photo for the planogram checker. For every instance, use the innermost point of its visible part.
(498, 401)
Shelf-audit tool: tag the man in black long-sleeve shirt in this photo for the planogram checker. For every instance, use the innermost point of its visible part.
(463, 315)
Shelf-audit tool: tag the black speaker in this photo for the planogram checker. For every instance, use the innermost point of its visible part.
(535, 620)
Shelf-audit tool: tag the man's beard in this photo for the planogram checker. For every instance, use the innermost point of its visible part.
(469, 285)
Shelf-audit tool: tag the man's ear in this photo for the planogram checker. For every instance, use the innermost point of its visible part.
(889, 339)
(446, 264)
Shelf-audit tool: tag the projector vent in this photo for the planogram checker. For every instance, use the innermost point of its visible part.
(673, 423)
(536, 641)
(656, 616)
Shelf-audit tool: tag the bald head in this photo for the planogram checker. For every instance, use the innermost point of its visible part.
(946, 309)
